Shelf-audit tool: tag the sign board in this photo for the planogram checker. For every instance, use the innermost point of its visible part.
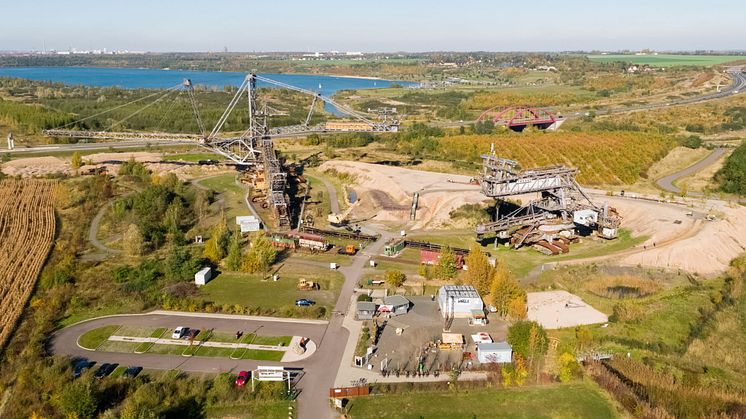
(270, 374)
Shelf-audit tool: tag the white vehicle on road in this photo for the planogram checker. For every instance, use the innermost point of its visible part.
(179, 332)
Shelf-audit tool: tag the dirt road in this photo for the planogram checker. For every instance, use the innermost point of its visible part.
(667, 183)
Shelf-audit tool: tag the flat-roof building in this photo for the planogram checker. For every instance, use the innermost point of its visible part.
(458, 301)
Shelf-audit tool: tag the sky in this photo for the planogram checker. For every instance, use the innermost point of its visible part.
(380, 26)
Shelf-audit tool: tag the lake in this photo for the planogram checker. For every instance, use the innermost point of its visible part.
(134, 78)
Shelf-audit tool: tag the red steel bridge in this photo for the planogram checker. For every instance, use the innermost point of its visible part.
(517, 118)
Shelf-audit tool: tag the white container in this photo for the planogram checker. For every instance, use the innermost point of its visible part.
(372, 263)
(203, 276)
(333, 265)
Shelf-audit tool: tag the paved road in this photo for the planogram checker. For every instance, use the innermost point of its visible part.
(64, 341)
(667, 182)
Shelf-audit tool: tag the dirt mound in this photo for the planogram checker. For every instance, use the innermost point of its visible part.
(36, 166)
(388, 191)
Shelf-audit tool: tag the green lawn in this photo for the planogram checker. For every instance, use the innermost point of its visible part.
(575, 401)
(92, 339)
(123, 347)
(668, 60)
(260, 355)
(138, 331)
(253, 410)
(251, 291)
(522, 261)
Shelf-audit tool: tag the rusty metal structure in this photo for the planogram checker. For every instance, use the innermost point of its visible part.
(562, 205)
(254, 147)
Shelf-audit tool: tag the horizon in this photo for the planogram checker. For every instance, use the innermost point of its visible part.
(383, 27)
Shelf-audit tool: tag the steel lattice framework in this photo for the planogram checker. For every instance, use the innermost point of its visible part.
(518, 117)
(561, 195)
(254, 147)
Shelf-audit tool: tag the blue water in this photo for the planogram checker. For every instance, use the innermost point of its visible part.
(131, 78)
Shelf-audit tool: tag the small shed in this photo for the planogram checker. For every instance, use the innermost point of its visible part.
(396, 305)
(365, 310)
(452, 341)
(494, 353)
(203, 276)
(459, 301)
(394, 247)
(248, 223)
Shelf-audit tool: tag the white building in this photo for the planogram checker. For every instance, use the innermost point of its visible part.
(203, 276)
(248, 223)
(459, 301)
(497, 352)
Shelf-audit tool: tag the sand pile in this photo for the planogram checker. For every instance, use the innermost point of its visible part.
(388, 191)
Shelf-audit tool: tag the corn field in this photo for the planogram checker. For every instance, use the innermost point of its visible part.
(27, 226)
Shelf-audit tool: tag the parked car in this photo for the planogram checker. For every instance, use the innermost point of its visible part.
(132, 372)
(243, 378)
(304, 302)
(104, 370)
(179, 332)
(81, 366)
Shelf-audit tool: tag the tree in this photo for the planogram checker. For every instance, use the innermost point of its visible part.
(76, 161)
(528, 339)
(260, 256)
(394, 277)
(133, 242)
(233, 259)
(568, 366)
(583, 338)
(507, 296)
(446, 268)
(180, 263)
(78, 400)
(215, 246)
(479, 271)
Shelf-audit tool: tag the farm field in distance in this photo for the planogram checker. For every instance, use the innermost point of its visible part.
(668, 60)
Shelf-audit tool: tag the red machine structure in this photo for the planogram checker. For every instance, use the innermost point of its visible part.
(517, 118)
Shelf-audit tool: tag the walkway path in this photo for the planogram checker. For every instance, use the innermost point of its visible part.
(93, 230)
(667, 182)
(333, 199)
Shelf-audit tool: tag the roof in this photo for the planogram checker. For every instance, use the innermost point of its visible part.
(460, 291)
(453, 338)
(396, 300)
(204, 270)
(494, 346)
(366, 306)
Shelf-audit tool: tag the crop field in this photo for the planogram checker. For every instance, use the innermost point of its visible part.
(27, 226)
(668, 60)
(604, 158)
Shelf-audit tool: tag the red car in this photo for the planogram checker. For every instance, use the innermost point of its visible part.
(243, 378)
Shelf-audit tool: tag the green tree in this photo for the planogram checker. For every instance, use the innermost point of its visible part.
(446, 267)
(78, 400)
(76, 161)
(261, 255)
(233, 259)
(180, 263)
(528, 339)
(394, 277)
(479, 271)
(215, 246)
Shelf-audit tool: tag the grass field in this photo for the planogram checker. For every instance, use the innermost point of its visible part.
(668, 60)
(92, 339)
(254, 410)
(522, 261)
(252, 291)
(576, 401)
